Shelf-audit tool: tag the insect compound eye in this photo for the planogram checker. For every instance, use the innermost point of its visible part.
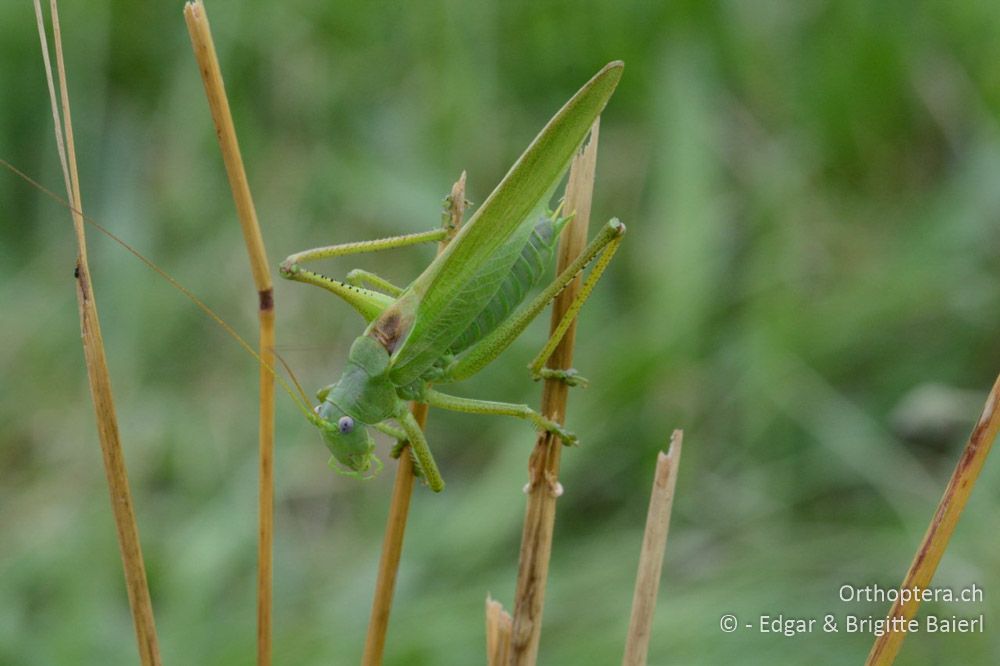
(345, 424)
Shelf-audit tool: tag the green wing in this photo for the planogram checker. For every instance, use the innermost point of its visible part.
(442, 302)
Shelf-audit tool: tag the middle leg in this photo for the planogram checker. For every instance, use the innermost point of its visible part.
(367, 302)
(473, 406)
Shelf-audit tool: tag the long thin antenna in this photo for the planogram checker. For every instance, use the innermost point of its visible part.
(304, 407)
(291, 375)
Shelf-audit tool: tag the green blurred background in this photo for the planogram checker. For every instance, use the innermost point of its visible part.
(809, 287)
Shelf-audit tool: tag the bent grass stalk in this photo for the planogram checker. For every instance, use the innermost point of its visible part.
(402, 490)
(935, 541)
(97, 367)
(211, 74)
(543, 466)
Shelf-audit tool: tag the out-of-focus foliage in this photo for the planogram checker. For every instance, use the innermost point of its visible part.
(811, 191)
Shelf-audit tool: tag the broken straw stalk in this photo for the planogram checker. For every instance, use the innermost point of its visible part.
(647, 582)
(543, 465)
(654, 544)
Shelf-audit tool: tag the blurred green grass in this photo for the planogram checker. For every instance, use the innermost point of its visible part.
(812, 210)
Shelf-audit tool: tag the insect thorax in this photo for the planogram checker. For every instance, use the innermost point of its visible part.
(364, 390)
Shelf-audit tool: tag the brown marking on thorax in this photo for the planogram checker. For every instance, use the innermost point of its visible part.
(388, 330)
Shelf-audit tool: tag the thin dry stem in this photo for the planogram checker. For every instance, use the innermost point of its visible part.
(935, 541)
(211, 74)
(265, 493)
(100, 380)
(498, 628)
(402, 490)
(543, 466)
(654, 543)
(53, 99)
(215, 90)
(392, 550)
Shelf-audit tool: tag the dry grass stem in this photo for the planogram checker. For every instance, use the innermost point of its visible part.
(211, 74)
(97, 368)
(543, 466)
(265, 493)
(498, 628)
(935, 541)
(402, 490)
(654, 543)
(392, 551)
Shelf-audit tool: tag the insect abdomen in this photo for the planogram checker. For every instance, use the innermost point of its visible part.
(527, 271)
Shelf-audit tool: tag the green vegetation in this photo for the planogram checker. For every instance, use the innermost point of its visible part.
(814, 234)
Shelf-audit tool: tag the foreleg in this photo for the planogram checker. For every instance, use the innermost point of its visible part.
(367, 302)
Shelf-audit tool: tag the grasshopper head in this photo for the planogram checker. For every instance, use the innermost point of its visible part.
(348, 441)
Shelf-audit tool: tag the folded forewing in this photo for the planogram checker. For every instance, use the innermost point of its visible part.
(446, 297)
